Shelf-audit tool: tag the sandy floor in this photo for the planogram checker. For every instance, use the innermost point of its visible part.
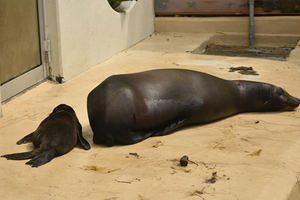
(255, 155)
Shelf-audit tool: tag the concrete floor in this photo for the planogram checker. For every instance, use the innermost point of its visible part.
(256, 155)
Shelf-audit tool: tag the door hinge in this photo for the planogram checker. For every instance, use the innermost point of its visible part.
(47, 48)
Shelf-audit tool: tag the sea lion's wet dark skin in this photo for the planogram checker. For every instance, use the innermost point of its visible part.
(129, 108)
(56, 135)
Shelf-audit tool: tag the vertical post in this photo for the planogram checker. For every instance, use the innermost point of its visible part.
(251, 20)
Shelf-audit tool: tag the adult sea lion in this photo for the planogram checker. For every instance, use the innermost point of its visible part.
(129, 108)
(56, 135)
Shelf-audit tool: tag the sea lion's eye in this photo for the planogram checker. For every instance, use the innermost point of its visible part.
(280, 92)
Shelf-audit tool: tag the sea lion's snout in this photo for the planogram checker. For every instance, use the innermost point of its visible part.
(292, 103)
(295, 102)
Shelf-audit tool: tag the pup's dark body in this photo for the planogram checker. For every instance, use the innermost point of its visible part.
(56, 135)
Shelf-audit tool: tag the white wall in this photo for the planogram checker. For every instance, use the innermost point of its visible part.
(85, 33)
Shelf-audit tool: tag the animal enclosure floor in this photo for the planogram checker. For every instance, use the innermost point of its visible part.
(250, 156)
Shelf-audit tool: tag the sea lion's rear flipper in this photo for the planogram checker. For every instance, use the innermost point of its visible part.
(19, 156)
(42, 157)
(83, 141)
(25, 139)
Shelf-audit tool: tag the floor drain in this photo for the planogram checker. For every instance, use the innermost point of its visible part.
(273, 53)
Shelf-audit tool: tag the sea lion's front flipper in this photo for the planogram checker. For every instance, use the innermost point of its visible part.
(25, 139)
(83, 141)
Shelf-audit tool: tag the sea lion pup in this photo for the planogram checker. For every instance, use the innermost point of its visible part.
(56, 135)
(129, 108)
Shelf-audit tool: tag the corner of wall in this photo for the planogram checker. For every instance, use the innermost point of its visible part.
(294, 56)
(53, 35)
(85, 33)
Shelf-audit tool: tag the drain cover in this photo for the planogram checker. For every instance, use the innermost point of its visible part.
(273, 53)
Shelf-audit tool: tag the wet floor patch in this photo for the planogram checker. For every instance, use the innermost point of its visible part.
(99, 169)
(244, 70)
(273, 53)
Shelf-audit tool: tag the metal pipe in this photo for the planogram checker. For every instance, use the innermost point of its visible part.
(251, 24)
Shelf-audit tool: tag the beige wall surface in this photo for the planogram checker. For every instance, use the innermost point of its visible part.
(263, 25)
(85, 33)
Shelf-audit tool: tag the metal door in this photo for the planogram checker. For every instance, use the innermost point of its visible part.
(20, 50)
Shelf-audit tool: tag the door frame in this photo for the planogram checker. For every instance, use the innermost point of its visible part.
(35, 75)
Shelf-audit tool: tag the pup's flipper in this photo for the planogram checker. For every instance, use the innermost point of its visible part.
(19, 156)
(42, 157)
